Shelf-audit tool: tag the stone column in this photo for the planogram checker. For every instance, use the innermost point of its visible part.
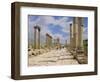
(36, 37)
(57, 40)
(78, 32)
(71, 36)
(75, 32)
(58, 43)
(82, 26)
(48, 41)
(66, 43)
(54, 43)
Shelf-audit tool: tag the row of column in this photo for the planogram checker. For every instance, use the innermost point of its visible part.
(76, 34)
(48, 39)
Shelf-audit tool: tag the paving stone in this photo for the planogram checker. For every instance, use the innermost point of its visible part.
(53, 57)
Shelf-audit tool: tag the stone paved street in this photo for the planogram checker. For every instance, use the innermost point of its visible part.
(54, 57)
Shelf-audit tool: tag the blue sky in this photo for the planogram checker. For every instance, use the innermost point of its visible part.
(56, 26)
